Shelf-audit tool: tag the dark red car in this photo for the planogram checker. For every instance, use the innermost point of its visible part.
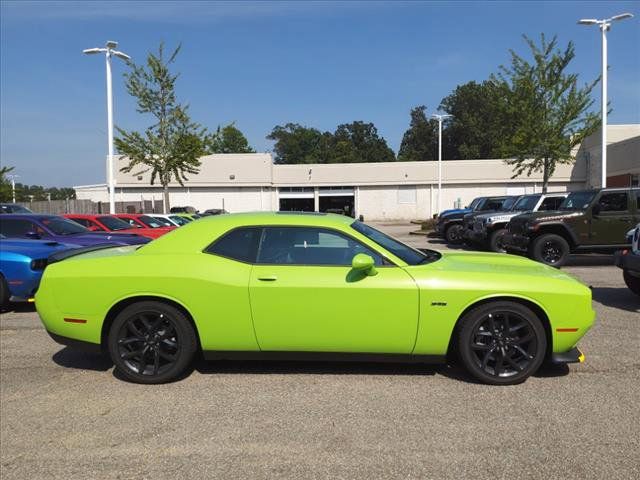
(111, 223)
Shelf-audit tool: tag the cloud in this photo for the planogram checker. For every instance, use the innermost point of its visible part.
(174, 11)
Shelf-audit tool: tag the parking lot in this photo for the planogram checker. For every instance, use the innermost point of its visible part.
(65, 415)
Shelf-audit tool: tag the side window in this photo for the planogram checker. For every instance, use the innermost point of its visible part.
(15, 227)
(493, 204)
(551, 203)
(82, 221)
(613, 202)
(309, 246)
(240, 244)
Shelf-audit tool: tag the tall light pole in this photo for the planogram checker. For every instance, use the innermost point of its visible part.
(605, 25)
(440, 118)
(109, 50)
(13, 186)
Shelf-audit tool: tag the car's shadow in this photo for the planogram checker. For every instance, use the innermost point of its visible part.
(70, 358)
(73, 359)
(621, 298)
(18, 308)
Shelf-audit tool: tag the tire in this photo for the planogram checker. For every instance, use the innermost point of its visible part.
(632, 282)
(453, 234)
(550, 249)
(4, 292)
(495, 241)
(495, 357)
(152, 342)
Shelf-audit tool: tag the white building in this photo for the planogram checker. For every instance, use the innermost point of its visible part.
(378, 191)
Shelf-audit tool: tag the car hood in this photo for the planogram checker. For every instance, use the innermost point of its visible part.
(444, 213)
(496, 216)
(506, 266)
(550, 216)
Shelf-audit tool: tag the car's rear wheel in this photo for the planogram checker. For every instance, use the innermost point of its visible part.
(152, 342)
(632, 282)
(496, 241)
(550, 249)
(453, 234)
(501, 343)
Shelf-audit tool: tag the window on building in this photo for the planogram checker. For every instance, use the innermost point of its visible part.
(407, 194)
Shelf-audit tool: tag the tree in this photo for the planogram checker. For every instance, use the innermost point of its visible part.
(549, 110)
(6, 191)
(420, 141)
(358, 142)
(171, 147)
(227, 140)
(479, 121)
(295, 143)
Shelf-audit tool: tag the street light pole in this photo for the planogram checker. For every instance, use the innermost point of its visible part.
(440, 118)
(605, 25)
(13, 187)
(109, 50)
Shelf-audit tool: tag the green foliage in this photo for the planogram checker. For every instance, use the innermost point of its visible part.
(5, 184)
(170, 148)
(420, 141)
(479, 122)
(354, 142)
(295, 143)
(550, 112)
(228, 139)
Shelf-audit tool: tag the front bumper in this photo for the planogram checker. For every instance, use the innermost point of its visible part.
(572, 356)
(626, 260)
(514, 241)
(475, 236)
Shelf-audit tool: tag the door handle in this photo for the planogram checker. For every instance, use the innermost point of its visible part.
(268, 278)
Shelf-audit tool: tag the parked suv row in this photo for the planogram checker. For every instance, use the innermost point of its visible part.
(586, 221)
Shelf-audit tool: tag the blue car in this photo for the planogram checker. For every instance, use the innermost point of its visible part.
(21, 265)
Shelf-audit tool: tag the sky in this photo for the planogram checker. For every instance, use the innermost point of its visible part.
(262, 64)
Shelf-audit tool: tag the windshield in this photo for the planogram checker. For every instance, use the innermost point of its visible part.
(577, 201)
(150, 222)
(474, 203)
(62, 226)
(180, 220)
(526, 203)
(508, 203)
(13, 208)
(409, 255)
(163, 221)
(113, 223)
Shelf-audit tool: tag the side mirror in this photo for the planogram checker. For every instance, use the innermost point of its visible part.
(32, 235)
(364, 263)
(595, 210)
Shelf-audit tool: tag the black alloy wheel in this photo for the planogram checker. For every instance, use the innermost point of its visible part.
(496, 241)
(453, 234)
(550, 249)
(151, 342)
(502, 343)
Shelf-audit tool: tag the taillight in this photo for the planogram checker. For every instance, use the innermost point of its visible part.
(38, 264)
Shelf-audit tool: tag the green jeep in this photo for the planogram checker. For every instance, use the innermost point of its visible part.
(587, 221)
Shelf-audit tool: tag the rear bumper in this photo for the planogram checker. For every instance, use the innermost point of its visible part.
(627, 261)
(572, 356)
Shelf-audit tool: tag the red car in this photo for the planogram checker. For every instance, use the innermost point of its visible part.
(110, 223)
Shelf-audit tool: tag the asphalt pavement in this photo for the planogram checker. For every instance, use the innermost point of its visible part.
(64, 414)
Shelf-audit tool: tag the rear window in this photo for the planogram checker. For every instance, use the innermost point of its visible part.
(240, 244)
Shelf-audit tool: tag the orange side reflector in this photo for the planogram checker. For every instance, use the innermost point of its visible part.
(75, 320)
(566, 330)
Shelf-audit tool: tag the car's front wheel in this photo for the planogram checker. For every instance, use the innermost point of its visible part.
(152, 342)
(496, 241)
(632, 281)
(501, 343)
(453, 234)
(550, 249)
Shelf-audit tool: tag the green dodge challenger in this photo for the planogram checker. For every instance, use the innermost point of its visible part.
(309, 287)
